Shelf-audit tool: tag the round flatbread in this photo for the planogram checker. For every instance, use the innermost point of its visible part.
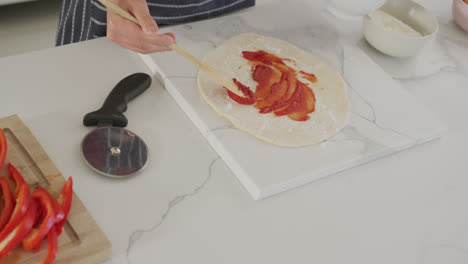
(332, 107)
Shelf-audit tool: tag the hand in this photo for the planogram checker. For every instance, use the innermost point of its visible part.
(145, 39)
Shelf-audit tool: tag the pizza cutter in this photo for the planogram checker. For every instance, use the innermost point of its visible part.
(110, 149)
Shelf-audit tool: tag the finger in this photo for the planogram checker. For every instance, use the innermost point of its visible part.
(145, 47)
(141, 12)
(123, 32)
(162, 40)
(129, 35)
(172, 35)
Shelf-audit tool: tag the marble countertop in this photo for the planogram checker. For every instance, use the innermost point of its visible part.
(187, 206)
(376, 128)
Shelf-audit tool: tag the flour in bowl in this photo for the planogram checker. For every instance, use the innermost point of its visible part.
(392, 23)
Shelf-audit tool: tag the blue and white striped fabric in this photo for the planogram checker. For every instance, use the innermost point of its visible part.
(86, 19)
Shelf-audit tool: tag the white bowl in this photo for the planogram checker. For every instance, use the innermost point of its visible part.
(394, 43)
(353, 8)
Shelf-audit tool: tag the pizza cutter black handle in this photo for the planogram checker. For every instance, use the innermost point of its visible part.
(111, 112)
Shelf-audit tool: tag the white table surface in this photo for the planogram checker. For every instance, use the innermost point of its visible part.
(187, 207)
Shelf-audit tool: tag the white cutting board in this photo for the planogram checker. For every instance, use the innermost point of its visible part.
(385, 118)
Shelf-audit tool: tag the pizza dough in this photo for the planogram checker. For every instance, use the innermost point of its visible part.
(332, 107)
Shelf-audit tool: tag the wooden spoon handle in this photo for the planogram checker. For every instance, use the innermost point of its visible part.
(225, 81)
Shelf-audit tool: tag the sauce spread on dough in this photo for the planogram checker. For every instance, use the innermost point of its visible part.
(278, 90)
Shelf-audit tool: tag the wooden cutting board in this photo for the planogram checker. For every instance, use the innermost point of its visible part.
(82, 241)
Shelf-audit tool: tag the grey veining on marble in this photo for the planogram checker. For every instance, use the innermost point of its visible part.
(137, 234)
(385, 118)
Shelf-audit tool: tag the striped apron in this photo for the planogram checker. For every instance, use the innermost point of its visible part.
(86, 19)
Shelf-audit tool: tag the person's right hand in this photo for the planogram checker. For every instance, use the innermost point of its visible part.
(145, 39)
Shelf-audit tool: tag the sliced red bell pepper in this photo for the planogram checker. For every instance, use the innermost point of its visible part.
(3, 148)
(8, 203)
(40, 214)
(14, 238)
(59, 216)
(65, 201)
(36, 235)
(52, 245)
(22, 197)
(16, 176)
(37, 221)
(59, 212)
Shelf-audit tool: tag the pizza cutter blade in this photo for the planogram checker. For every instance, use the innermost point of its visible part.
(110, 149)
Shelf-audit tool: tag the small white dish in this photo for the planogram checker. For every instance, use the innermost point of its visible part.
(394, 43)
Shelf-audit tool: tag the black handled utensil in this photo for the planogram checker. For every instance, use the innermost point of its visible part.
(110, 149)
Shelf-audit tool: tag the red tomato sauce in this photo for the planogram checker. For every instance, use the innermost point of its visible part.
(278, 89)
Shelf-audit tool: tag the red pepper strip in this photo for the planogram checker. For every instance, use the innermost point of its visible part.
(8, 203)
(15, 176)
(37, 221)
(59, 215)
(22, 196)
(14, 238)
(36, 235)
(51, 246)
(3, 148)
(40, 214)
(65, 201)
